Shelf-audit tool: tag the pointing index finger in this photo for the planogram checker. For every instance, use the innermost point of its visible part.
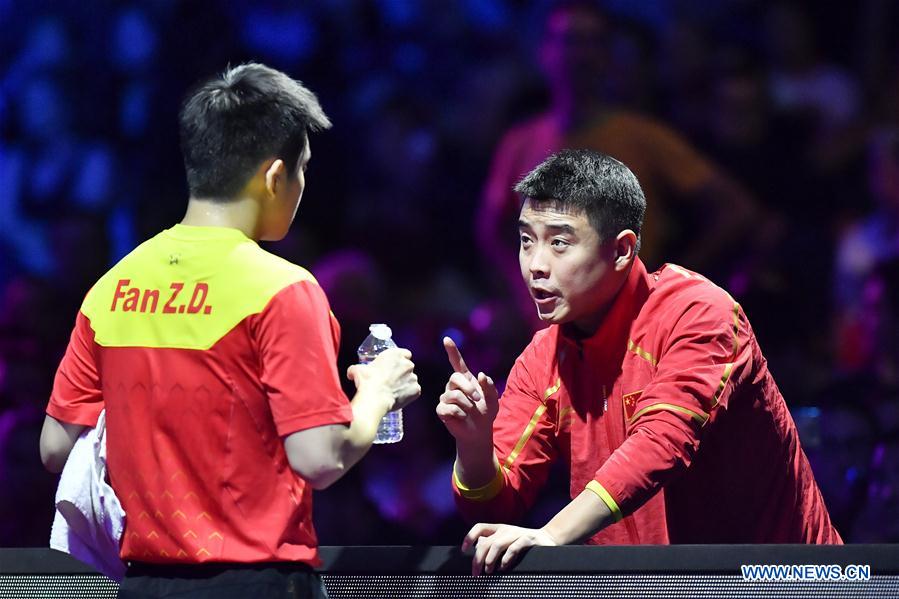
(454, 355)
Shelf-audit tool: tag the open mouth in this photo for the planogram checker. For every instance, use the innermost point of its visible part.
(541, 295)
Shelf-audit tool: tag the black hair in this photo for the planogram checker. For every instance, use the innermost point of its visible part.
(602, 187)
(234, 121)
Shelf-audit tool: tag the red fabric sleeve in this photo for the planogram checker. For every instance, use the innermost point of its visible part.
(707, 355)
(298, 340)
(524, 442)
(77, 396)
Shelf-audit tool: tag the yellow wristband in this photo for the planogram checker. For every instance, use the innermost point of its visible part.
(485, 493)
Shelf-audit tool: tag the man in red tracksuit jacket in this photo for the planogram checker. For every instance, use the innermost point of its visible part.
(651, 387)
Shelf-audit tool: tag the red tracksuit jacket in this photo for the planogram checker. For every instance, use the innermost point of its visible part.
(668, 413)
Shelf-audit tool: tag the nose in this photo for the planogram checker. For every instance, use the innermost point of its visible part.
(538, 264)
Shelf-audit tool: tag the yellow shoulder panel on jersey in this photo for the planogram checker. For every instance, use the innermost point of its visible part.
(188, 296)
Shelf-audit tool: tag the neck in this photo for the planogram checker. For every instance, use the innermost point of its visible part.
(587, 326)
(241, 214)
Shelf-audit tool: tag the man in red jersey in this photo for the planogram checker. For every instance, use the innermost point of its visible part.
(216, 364)
(650, 386)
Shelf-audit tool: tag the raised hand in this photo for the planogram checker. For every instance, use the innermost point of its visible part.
(469, 403)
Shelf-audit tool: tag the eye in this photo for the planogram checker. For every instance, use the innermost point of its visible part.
(559, 244)
(525, 240)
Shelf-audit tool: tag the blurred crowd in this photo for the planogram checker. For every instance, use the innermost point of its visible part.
(767, 137)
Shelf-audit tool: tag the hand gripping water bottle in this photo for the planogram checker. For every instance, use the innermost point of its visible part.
(390, 429)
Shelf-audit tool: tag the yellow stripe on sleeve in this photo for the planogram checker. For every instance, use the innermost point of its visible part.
(606, 498)
(736, 330)
(631, 346)
(725, 377)
(552, 389)
(700, 417)
(528, 431)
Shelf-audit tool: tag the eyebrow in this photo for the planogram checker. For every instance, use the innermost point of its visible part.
(561, 228)
(556, 227)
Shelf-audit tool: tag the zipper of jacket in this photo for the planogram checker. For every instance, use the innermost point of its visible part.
(615, 442)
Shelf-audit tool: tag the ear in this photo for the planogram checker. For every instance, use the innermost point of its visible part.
(275, 176)
(625, 249)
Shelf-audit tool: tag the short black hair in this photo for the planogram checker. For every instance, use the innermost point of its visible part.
(602, 187)
(231, 123)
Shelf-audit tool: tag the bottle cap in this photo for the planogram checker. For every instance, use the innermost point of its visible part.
(380, 331)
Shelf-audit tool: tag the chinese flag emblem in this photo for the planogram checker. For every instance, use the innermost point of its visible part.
(630, 404)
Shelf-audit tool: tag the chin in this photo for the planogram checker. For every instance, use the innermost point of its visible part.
(552, 318)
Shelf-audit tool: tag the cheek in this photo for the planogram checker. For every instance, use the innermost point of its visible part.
(570, 279)
(585, 283)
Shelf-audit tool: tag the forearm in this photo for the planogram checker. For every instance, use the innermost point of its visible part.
(57, 440)
(476, 463)
(354, 441)
(658, 450)
(369, 407)
(491, 497)
(322, 455)
(586, 515)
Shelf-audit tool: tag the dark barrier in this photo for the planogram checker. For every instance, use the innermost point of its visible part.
(682, 571)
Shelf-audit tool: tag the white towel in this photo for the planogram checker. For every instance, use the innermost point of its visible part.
(89, 518)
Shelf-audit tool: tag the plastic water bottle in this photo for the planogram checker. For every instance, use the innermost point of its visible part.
(390, 429)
